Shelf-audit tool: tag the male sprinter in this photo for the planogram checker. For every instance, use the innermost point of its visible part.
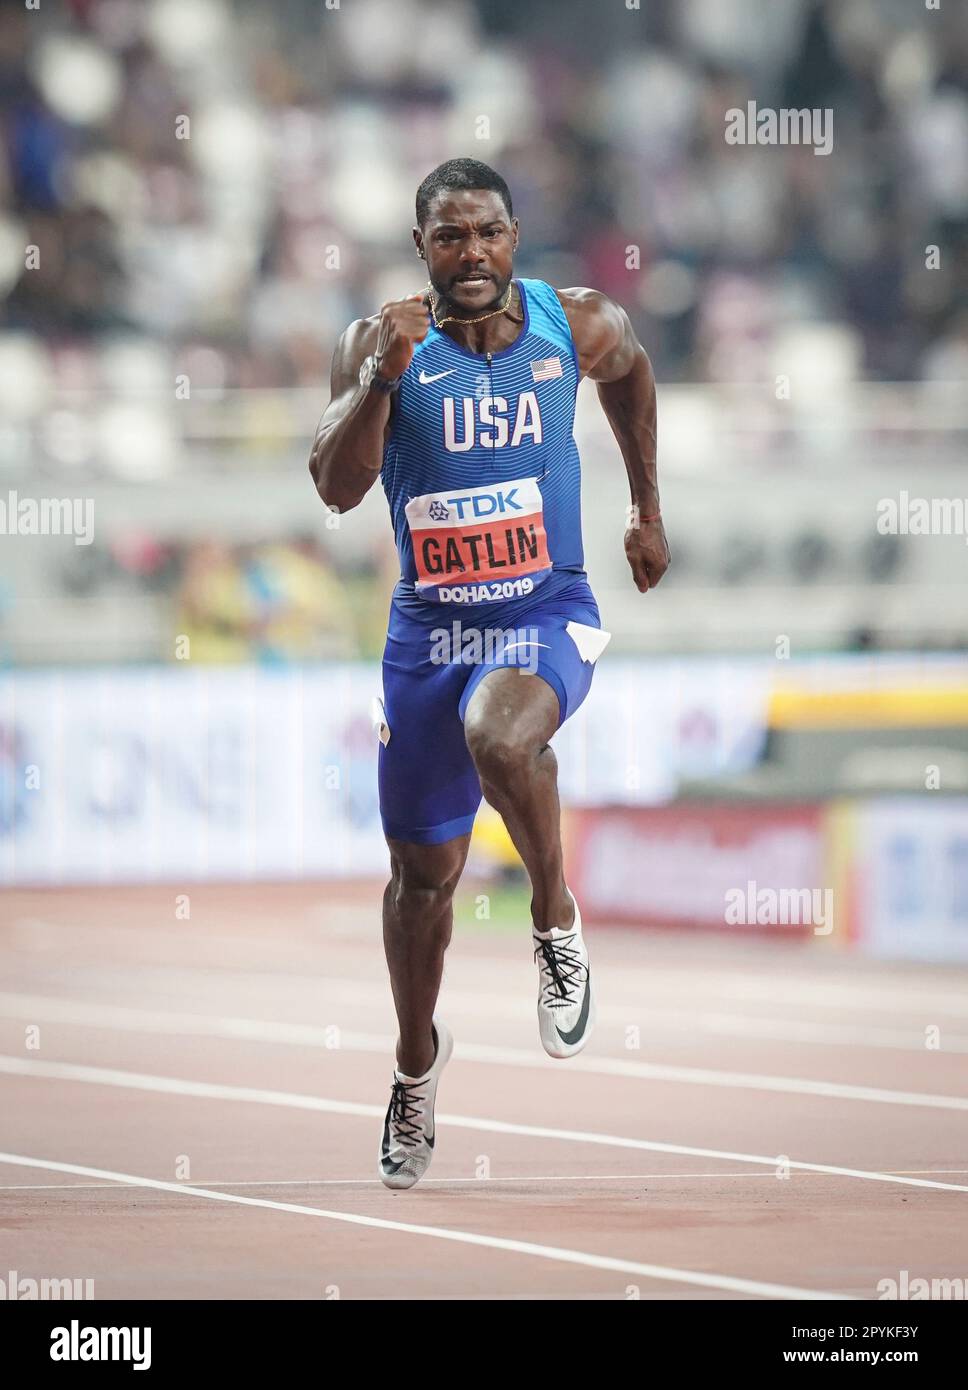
(461, 399)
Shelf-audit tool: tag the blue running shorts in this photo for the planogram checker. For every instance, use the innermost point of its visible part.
(432, 664)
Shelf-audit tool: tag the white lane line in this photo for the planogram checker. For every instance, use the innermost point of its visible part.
(794, 1030)
(850, 996)
(437, 1182)
(843, 994)
(518, 1247)
(747, 980)
(375, 1182)
(498, 1006)
(59, 1187)
(125, 1019)
(478, 1003)
(294, 1100)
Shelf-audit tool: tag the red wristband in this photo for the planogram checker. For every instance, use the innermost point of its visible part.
(650, 518)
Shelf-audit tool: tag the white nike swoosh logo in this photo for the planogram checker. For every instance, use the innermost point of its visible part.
(425, 380)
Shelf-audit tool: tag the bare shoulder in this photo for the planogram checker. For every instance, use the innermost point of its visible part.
(584, 306)
(580, 296)
(599, 326)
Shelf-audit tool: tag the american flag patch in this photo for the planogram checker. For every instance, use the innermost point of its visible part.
(547, 368)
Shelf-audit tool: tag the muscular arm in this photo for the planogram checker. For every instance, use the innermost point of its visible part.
(610, 355)
(347, 453)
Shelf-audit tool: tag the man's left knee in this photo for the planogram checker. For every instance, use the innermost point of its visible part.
(500, 753)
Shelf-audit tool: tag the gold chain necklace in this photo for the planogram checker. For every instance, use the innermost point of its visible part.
(453, 318)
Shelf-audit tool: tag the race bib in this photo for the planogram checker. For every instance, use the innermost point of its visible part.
(473, 545)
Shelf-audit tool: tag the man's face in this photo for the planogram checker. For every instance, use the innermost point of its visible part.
(469, 241)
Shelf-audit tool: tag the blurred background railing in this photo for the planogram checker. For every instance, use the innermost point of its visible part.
(205, 522)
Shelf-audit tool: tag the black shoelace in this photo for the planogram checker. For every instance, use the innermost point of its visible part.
(405, 1114)
(566, 969)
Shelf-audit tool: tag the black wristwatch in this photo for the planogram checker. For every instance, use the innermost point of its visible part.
(370, 376)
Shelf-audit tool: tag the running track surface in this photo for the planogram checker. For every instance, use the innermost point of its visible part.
(192, 1109)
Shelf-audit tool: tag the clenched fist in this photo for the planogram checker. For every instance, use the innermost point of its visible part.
(403, 324)
(648, 553)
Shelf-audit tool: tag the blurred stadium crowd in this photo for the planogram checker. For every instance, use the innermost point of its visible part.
(309, 128)
(215, 190)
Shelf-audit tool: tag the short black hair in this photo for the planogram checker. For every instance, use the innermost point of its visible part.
(459, 174)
